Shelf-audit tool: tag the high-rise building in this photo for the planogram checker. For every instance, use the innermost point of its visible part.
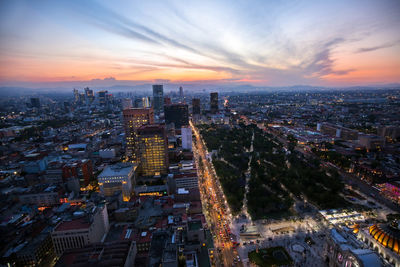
(118, 178)
(196, 106)
(153, 150)
(177, 114)
(181, 96)
(214, 102)
(158, 98)
(102, 97)
(133, 119)
(89, 95)
(35, 102)
(186, 133)
(126, 103)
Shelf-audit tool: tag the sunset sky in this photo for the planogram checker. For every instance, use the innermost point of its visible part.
(271, 43)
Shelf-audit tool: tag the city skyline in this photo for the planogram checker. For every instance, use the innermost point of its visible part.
(330, 43)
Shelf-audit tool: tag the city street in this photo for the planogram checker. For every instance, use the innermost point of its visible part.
(215, 206)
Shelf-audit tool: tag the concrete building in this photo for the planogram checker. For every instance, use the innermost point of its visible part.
(119, 177)
(107, 153)
(153, 150)
(186, 133)
(371, 141)
(42, 196)
(337, 131)
(81, 169)
(116, 253)
(84, 228)
(35, 251)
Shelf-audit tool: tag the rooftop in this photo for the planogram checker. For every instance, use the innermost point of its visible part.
(119, 169)
(80, 223)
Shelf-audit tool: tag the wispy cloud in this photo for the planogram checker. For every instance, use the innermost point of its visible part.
(378, 47)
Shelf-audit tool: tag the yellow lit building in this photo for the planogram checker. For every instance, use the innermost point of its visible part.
(133, 119)
(118, 178)
(153, 150)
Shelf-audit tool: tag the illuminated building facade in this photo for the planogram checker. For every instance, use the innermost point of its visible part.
(133, 119)
(119, 177)
(153, 150)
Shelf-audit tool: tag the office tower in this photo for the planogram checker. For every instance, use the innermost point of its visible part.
(167, 101)
(133, 119)
(153, 150)
(196, 106)
(102, 97)
(89, 95)
(186, 133)
(181, 97)
(126, 103)
(146, 102)
(214, 102)
(35, 102)
(158, 98)
(177, 114)
(119, 177)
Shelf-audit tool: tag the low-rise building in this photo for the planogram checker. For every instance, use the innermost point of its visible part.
(119, 177)
(82, 229)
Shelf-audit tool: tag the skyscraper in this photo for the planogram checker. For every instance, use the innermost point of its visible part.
(102, 97)
(177, 114)
(133, 119)
(153, 150)
(158, 98)
(89, 95)
(196, 106)
(181, 97)
(214, 102)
